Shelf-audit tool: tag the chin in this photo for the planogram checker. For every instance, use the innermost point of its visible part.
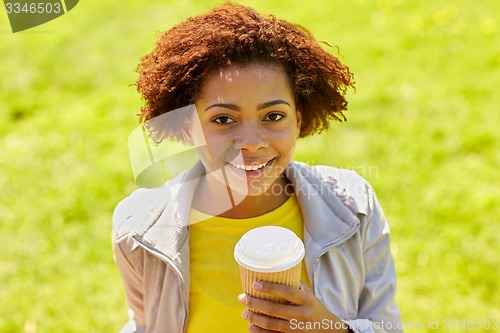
(260, 188)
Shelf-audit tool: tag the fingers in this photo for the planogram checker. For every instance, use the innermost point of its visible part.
(291, 294)
(262, 323)
(268, 316)
(269, 308)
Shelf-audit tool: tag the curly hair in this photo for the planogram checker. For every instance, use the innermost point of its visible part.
(171, 76)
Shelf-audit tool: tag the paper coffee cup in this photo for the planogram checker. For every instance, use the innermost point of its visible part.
(271, 254)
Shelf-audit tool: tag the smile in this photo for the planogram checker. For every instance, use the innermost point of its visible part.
(252, 169)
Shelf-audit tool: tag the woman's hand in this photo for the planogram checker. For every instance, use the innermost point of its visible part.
(304, 314)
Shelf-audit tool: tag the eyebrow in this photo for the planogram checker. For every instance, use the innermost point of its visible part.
(261, 106)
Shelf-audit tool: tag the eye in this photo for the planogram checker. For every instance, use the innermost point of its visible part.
(274, 116)
(223, 120)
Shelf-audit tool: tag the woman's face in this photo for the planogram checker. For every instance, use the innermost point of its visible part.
(250, 125)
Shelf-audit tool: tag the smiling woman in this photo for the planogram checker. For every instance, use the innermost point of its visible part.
(250, 125)
(171, 75)
(257, 84)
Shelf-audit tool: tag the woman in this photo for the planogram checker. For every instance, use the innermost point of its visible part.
(252, 86)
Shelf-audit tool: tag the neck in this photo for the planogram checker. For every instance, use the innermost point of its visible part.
(221, 203)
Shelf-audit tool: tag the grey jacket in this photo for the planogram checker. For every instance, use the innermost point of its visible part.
(346, 236)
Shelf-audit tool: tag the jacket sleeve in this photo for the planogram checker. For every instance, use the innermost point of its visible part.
(132, 283)
(128, 258)
(377, 305)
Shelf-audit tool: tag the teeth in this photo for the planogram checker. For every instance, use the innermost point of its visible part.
(249, 167)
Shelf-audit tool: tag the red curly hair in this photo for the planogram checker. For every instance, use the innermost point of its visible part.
(171, 75)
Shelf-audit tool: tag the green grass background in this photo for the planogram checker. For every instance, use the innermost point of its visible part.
(423, 128)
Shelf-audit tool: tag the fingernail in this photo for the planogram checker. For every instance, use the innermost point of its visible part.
(257, 285)
(244, 314)
(242, 298)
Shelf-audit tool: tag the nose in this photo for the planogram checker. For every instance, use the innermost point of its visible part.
(251, 138)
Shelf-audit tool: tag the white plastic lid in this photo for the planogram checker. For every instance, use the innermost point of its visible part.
(269, 249)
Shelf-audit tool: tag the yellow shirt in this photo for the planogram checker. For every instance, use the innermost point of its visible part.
(215, 277)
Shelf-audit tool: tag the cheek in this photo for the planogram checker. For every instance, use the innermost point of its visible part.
(197, 135)
(285, 143)
(215, 151)
(217, 143)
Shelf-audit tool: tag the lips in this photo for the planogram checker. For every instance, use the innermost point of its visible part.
(249, 167)
(252, 169)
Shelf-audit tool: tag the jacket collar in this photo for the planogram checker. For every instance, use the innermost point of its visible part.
(329, 213)
(167, 232)
(321, 197)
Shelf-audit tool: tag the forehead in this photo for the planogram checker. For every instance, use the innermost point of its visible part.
(254, 77)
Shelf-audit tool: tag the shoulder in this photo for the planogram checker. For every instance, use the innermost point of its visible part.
(357, 194)
(326, 172)
(138, 211)
(352, 189)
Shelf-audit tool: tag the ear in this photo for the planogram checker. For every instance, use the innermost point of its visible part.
(186, 133)
(299, 121)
